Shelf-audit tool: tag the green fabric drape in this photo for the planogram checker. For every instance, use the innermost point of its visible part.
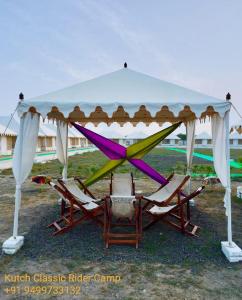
(135, 151)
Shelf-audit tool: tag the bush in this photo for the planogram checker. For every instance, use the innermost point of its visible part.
(239, 159)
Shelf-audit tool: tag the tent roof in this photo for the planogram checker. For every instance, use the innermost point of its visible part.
(136, 135)
(172, 136)
(73, 133)
(13, 126)
(110, 134)
(8, 132)
(237, 127)
(45, 130)
(235, 136)
(203, 136)
(124, 95)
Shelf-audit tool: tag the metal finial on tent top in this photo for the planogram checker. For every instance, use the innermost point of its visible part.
(21, 96)
(228, 97)
(125, 65)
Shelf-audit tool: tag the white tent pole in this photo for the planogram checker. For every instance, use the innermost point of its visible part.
(188, 169)
(18, 186)
(228, 191)
(66, 154)
(190, 131)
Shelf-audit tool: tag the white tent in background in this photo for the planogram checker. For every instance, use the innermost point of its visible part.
(237, 127)
(46, 138)
(134, 137)
(4, 131)
(171, 140)
(235, 140)
(123, 96)
(203, 139)
(13, 125)
(7, 140)
(137, 135)
(110, 134)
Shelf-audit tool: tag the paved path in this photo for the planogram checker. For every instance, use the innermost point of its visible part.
(6, 162)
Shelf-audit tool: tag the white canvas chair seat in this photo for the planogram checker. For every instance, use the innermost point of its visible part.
(123, 206)
(158, 210)
(165, 193)
(90, 206)
(122, 184)
(77, 192)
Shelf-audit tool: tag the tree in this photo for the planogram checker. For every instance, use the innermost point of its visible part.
(183, 137)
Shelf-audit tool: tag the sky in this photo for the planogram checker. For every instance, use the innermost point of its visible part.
(48, 45)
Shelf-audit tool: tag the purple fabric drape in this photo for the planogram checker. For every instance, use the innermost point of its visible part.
(111, 149)
(148, 170)
(115, 151)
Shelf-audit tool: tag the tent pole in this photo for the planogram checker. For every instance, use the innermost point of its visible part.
(188, 172)
(189, 148)
(66, 153)
(229, 248)
(18, 186)
(228, 189)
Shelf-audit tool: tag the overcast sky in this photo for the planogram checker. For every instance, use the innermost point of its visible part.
(47, 45)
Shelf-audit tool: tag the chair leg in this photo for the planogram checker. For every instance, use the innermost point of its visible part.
(105, 230)
(137, 226)
(188, 210)
(155, 220)
(63, 207)
(69, 224)
(109, 218)
(146, 205)
(182, 219)
(181, 225)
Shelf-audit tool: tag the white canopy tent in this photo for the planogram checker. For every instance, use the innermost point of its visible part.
(123, 96)
(237, 127)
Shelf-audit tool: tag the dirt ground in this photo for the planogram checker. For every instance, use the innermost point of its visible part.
(167, 265)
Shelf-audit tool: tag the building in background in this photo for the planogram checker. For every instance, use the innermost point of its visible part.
(235, 140)
(203, 140)
(133, 138)
(76, 139)
(7, 140)
(46, 137)
(171, 140)
(113, 135)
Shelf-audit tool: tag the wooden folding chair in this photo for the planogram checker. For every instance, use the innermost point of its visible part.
(125, 208)
(175, 215)
(76, 207)
(166, 192)
(132, 213)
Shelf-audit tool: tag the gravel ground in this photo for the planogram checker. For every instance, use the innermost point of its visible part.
(160, 243)
(167, 265)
